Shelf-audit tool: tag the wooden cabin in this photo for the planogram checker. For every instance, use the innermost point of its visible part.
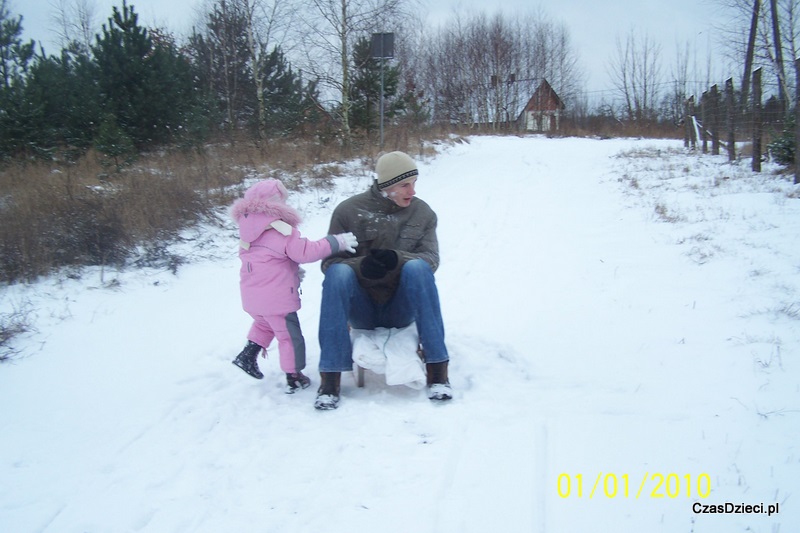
(543, 111)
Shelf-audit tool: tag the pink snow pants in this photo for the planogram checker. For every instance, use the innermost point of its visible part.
(291, 344)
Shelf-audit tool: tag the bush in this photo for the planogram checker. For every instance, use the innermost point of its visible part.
(76, 212)
(783, 147)
(44, 229)
(11, 325)
(64, 218)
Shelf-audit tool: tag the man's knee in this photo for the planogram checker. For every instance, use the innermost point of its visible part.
(417, 269)
(338, 276)
(417, 265)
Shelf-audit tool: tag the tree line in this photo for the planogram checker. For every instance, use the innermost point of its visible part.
(129, 88)
(132, 88)
(268, 68)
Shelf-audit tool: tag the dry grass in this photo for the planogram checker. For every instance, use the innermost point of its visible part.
(66, 215)
(59, 215)
(71, 214)
(11, 325)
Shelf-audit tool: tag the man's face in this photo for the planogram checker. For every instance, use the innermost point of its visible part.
(402, 193)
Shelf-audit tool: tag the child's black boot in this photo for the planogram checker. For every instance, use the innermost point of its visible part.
(295, 381)
(246, 360)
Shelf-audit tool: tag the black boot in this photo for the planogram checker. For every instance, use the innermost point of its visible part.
(439, 388)
(296, 381)
(328, 393)
(246, 360)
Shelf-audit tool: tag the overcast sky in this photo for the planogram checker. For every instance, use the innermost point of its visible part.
(593, 24)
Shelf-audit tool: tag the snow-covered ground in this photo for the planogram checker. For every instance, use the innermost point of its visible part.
(624, 326)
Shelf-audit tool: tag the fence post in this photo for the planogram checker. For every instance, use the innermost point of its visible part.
(714, 120)
(797, 124)
(704, 120)
(686, 119)
(756, 165)
(690, 138)
(731, 110)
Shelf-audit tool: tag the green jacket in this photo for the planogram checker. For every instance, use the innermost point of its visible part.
(377, 222)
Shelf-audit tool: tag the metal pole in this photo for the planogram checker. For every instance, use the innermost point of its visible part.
(382, 51)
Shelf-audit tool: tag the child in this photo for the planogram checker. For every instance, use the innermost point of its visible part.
(271, 249)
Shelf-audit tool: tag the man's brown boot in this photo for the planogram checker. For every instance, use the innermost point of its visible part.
(328, 393)
(439, 388)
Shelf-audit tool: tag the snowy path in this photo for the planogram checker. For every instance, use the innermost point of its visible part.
(583, 342)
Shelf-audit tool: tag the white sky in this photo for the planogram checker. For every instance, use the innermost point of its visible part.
(593, 24)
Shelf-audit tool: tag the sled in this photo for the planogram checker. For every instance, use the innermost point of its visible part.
(360, 371)
(395, 353)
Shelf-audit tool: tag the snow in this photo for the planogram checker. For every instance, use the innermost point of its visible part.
(614, 309)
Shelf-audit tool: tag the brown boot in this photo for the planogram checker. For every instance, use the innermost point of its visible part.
(439, 388)
(328, 393)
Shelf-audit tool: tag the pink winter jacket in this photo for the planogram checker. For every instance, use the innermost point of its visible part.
(271, 250)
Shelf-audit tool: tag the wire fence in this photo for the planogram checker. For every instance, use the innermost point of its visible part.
(724, 117)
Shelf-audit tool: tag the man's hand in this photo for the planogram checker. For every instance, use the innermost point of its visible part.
(378, 263)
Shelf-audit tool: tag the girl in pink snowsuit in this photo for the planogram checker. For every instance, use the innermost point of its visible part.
(271, 250)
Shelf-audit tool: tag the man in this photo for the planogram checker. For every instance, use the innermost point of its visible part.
(389, 280)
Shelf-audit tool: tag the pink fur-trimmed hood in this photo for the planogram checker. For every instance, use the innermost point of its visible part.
(262, 204)
(267, 197)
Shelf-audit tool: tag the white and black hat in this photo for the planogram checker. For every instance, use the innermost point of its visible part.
(394, 167)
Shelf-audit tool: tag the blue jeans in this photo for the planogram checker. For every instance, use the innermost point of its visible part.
(345, 302)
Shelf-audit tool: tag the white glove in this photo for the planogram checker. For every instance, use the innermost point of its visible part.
(347, 242)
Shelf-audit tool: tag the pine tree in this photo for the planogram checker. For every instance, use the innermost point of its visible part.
(116, 146)
(63, 102)
(145, 83)
(287, 102)
(366, 88)
(221, 59)
(15, 56)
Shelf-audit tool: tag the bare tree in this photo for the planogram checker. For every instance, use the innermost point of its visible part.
(755, 36)
(750, 52)
(234, 51)
(447, 75)
(555, 59)
(778, 46)
(333, 27)
(636, 74)
(779, 32)
(484, 69)
(267, 24)
(690, 76)
(673, 106)
(75, 23)
(222, 52)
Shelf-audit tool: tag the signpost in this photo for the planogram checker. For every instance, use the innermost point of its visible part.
(382, 48)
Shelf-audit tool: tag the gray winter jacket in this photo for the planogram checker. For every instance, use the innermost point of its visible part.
(377, 222)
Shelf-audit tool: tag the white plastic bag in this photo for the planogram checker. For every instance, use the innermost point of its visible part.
(390, 351)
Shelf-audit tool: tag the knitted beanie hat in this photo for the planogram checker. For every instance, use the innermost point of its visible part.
(394, 167)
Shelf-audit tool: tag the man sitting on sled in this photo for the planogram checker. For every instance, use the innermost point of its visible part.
(388, 282)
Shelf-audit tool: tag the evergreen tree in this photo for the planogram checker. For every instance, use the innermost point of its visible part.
(288, 103)
(222, 61)
(145, 83)
(366, 88)
(115, 145)
(15, 56)
(224, 65)
(64, 102)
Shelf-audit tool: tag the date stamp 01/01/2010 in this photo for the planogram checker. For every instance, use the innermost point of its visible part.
(655, 486)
